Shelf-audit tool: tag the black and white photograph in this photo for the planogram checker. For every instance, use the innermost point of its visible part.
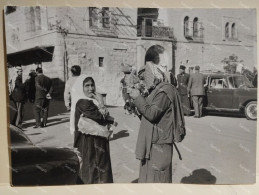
(131, 95)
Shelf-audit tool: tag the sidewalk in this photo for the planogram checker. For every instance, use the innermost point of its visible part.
(122, 145)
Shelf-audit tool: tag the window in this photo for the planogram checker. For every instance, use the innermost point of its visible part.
(218, 83)
(100, 61)
(233, 31)
(37, 18)
(106, 17)
(227, 30)
(33, 19)
(193, 30)
(239, 82)
(99, 17)
(195, 27)
(230, 33)
(94, 16)
(186, 26)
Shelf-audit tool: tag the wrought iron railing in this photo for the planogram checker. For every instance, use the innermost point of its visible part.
(155, 29)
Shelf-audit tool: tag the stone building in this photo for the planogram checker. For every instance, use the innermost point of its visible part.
(101, 39)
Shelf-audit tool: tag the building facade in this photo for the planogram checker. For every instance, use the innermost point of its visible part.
(100, 40)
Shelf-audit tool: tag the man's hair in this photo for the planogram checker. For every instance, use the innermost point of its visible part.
(76, 70)
(39, 70)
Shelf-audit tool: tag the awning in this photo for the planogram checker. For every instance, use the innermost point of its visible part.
(30, 56)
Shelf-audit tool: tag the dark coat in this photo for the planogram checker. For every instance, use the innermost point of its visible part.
(196, 84)
(182, 80)
(94, 150)
(43, 86)
(19, 93)
(161, 117)
(173, 80)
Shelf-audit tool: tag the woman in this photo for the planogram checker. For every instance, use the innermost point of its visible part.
(95, 151)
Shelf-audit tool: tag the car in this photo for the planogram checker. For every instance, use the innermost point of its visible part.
(34, 165)
(227, 92)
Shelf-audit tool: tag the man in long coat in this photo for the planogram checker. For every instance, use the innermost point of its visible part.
(196, 87)
(161, 117)
(182, 80)
(44, 89)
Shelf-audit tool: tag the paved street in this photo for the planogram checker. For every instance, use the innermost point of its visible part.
(217, 149)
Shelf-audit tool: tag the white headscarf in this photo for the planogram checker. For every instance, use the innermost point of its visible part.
(77, 93)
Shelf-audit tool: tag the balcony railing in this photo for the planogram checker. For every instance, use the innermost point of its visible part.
(154, 28)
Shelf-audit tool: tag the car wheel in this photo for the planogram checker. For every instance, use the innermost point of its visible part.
(251, 110)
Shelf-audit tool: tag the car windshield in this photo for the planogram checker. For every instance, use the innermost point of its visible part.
(239, 82)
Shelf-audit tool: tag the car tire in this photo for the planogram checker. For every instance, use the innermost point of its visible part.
(251, 110)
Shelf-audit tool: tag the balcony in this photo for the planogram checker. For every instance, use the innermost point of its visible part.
(155, 29)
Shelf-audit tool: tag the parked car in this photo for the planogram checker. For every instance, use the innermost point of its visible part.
(231, 93)
(34, 165)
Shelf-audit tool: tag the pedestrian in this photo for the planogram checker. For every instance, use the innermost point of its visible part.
(173, 80)
(19, 97)
(44, 89)
(182, 80)
(30, 86)
(75, 72)
(196, 89)
(129, 80)
(161, 116)
(88, 125)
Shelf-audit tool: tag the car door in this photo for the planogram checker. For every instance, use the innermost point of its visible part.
(219, 95)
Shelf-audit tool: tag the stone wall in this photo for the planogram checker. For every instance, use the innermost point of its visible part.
(214, 47)
(86, 51)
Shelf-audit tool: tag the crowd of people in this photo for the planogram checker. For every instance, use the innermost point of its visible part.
(190, 88)
(148, 94)
(159, 99)
(37, 89)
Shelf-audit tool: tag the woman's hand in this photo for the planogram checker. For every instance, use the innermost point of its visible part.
(104, 111)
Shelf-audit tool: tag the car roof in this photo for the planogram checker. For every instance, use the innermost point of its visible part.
(220, 74)
(18, 137)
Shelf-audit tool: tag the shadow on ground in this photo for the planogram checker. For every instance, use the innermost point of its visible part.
(199, 176)
(120, 134)
(52, 121)
(56, 107)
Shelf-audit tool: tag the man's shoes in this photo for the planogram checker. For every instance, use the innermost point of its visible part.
(196, 117)
(36, 127)
(43, 125)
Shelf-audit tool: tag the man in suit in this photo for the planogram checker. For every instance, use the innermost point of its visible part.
(182, 80)
(44, 89)
(196, 88)
(18, 97)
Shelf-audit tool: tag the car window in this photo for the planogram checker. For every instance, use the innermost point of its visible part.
(218, 83)
(239, 81)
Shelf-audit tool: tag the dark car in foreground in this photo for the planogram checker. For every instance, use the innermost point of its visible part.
(231, 93)
(34, 165)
